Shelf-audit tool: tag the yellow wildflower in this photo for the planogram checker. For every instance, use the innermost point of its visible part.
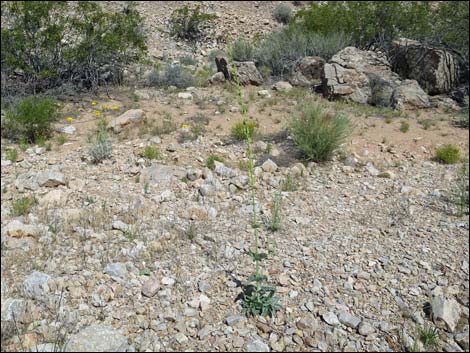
(115, 107)
(93, 103)
(105, 107)
(70, 119)
(185, 126)
(97, 113)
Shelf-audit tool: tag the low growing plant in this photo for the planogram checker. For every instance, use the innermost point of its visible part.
(189, 23)
(318, 133)
(210, 162)
(22, 206)
(101, 148)
(151, 152)
(447, 154)
(404, 126)
(275, 222)
(241, 50)
(171, 75)
(244, 130)
(282, 13)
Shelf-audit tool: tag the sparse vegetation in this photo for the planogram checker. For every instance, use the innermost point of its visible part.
(426, 123)
(171, 75)
(189, 23)
(447, 154)
(151, 152)
(461, 189)
(211, 159)
(241, 50)
(11, 154)
(21, 207)
(244, 130)
(404, 126)
(427, 335)
(318, 133)
(289, 184)
(101, 148)
(30, 119)
(61, 139)
(167, 126)
(282, 13)
(275, 222)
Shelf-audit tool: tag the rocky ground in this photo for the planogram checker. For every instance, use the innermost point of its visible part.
(148, 255)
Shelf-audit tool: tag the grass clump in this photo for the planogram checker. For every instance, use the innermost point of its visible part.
(404, 126)
(318, 133)
(61, 139)
(171, 75)
(289, 184)
(101, 148)
(11, 155)
(21, 207)
(30, 119)
(167, 126)
(447, 154)
(186, 23)
(210, 162)
(426, 123)
(427, 335)
(282, 13)
(151, 152)
(244, 130)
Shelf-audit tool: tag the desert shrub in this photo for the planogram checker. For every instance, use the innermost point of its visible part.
(243, 130)
(213, 54)
(318, 133)
(187, 60)
(30, 119)
(11, 154)
(463, 118)
(279, 50)
(151, 152)
(171, 75)
(282, 13)
(404, 126)
(54, 42)
(461, 189)
(101, 148)
(447, 154)
(241, 50)
(189, 23)
(22, 206)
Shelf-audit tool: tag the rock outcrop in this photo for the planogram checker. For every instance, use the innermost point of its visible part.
(307, 72)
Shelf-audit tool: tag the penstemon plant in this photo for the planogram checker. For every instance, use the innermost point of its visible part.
(258, 299)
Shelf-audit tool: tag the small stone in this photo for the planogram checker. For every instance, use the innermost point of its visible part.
(446, 311)
(233, 320)
(463, 340)
(282, 86)
(349, 320)
(255, 345)
(116, 269)
(269, 166)
(331, 318)
(36, 285)
(365, 329)
(150, 287)
(204, 302)
(185, 95)
(264, 93)
(119, 225)
(387, 174)
(168, 281)
(372, 170)
(181, 338)
(97, 338)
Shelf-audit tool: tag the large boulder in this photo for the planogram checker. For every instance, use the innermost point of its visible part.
(248, 74)
(131, 117)
(307, 72)
(366, 77)
(435, 69)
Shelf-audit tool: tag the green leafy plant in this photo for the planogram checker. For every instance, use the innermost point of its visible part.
(151, 152)
(30, 119)
(210, 162)
(244, 130)
(22, 206)
(289, 184)
(318, 133)
(426, 123)
(12, 154)
(447, 154)
(282, 13)
(189, 23)
(57, 42)
(61, 139)
(275, 222)
(101, 148)
(427, 335)
(258, 299)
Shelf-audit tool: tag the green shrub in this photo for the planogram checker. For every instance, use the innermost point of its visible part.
(244, 130)
(29, 119)
(22, 206)
(54, 42)
(276, 219)
(61, 139)
(101, 148)
(187, 60)
(404, 126)
(210, 161)
(11, 154)
(241, 50)
(171, 75)
(317, 133)
(151, 152)
(463, 118)
(448, 154)
(282, 13)
(281, 49)
(188, 23)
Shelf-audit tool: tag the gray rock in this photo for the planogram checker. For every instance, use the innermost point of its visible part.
(269, 166)
(161, 174)
(349, 320)
(264, 93)
(51, 178)
(150, 287)
(445, 311)
(233, 320)
(119, 225)
(27, 181)
(12, 309)
(185, 95)
(372, 170)
(248, 73)
(46, 347)
(282, 86)
(365, 329)
(463, 340)
(409, 95)
(17, 229)
(36, 285)
(256, 345)
(307, 72)
(222, 170)
(331, 318)
(116, 269)
(217, 78)
(97, 338)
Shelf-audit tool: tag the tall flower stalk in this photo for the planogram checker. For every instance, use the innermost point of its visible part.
(257, 298)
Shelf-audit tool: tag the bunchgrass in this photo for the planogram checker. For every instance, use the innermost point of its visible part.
(210, 162)
(275, 222)
(21, 207)
(447, 154)
(244, 130)
(151, 152)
